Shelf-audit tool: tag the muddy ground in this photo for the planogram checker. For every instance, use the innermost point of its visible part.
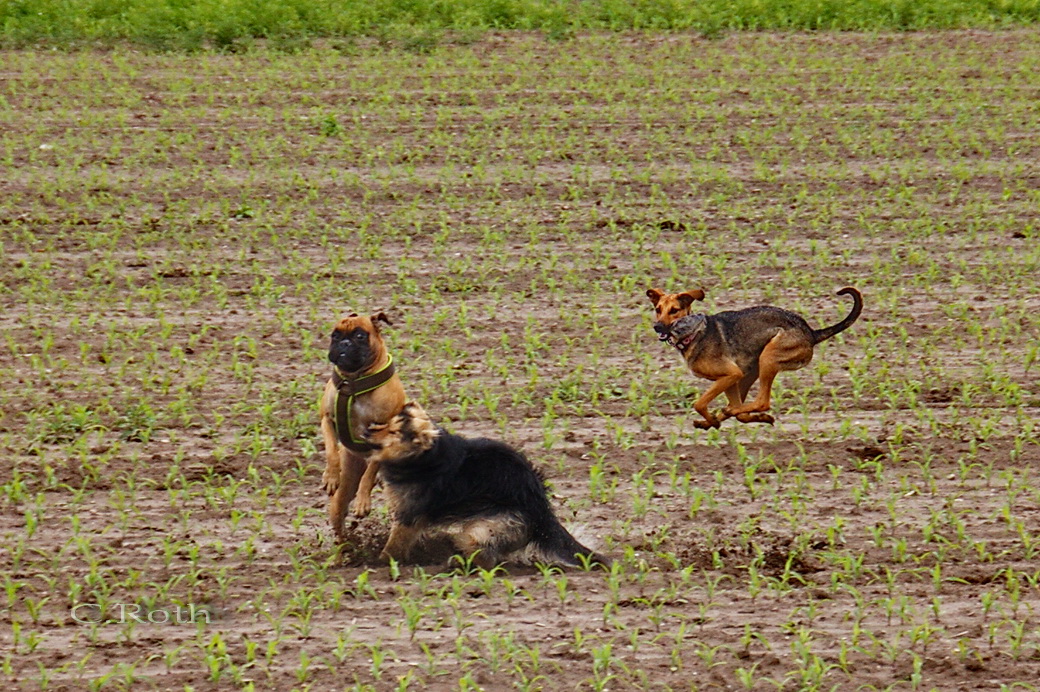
(179, 234)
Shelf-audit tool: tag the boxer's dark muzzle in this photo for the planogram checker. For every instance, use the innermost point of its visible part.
(350, 352)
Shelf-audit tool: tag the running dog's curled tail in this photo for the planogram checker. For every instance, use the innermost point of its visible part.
(857, 307)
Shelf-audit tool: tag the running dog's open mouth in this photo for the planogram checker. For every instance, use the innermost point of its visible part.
(664, 331)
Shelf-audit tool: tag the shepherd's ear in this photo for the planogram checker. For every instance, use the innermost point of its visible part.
(686, 298)
(654, 295)
(381, 316)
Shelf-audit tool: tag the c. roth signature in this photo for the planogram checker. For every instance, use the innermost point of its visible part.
(124, 613)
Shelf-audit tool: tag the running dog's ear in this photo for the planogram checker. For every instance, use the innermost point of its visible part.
(686, 298)
(654, 295)
(381, 317)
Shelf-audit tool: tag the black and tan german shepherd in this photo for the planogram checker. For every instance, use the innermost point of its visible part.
(485, 496)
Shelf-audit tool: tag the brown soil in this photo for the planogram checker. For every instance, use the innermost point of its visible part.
(178, 234)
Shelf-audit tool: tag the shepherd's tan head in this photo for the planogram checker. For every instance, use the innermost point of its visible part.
(409, 433)
(669, 307)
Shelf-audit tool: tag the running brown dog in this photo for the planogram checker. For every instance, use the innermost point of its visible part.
(364, 390)
(735, 348)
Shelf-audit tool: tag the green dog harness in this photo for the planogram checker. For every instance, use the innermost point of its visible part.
(346, 391)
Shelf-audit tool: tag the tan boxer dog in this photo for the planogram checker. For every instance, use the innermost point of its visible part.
(364, 390)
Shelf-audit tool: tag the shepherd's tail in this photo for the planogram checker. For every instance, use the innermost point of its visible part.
(857, 307)
(557, 546)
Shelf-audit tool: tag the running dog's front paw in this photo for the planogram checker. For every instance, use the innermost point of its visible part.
(708, 423)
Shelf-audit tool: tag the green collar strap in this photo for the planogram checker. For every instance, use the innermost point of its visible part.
(346, 390)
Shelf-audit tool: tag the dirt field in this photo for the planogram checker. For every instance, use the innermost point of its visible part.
(179, 234)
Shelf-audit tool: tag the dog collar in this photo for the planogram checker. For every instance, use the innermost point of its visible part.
(692, 335)
(347, 389)
(684, 342)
